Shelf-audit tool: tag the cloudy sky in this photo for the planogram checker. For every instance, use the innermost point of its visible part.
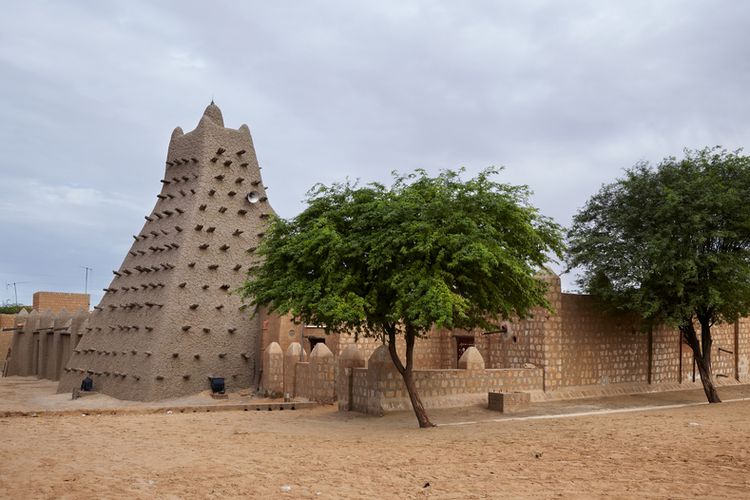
(563, 94)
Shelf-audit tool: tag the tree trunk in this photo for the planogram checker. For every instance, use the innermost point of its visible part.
(702, 355)
(407, 374)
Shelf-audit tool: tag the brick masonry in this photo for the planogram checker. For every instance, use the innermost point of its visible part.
(57, 301)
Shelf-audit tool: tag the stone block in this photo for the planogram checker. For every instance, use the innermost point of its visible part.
(508, 402)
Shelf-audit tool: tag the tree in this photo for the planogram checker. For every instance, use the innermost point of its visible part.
(672, 243)
(387, 261)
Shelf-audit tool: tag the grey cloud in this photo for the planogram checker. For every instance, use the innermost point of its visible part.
(565, 94)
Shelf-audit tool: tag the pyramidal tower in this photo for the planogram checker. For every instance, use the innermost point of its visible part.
(169, 320)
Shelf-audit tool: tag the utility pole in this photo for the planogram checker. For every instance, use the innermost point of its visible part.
(15, 289)
(86, 282)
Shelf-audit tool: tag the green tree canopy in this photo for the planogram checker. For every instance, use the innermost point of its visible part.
(671, 243)
(425, 252)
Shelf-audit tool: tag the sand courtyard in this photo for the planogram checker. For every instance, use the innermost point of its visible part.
(650, 445)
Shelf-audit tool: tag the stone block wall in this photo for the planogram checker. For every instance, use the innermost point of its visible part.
(598, 348)
(57, 301)
(322, 384)
(351, 357)
(379, 388)
(272, 378)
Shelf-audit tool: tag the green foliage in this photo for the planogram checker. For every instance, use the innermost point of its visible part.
(14, 309)
(424, 252)
(672, 242)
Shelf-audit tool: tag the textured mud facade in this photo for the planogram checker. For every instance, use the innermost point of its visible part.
(168, 320)
(43, 342)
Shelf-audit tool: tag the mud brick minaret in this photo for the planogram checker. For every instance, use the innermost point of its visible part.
(169, 319)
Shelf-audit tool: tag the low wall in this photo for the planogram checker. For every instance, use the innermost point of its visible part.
(379, 388)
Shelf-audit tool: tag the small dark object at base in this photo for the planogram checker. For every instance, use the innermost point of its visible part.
(217, 385)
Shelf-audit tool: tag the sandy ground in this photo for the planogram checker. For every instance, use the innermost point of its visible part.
(692, 451)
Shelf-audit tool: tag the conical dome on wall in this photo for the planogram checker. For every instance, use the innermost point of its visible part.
(168, 320)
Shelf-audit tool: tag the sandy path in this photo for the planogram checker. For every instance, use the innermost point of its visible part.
(323, 454)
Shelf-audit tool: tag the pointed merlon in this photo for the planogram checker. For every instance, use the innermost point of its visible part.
(214, 114)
